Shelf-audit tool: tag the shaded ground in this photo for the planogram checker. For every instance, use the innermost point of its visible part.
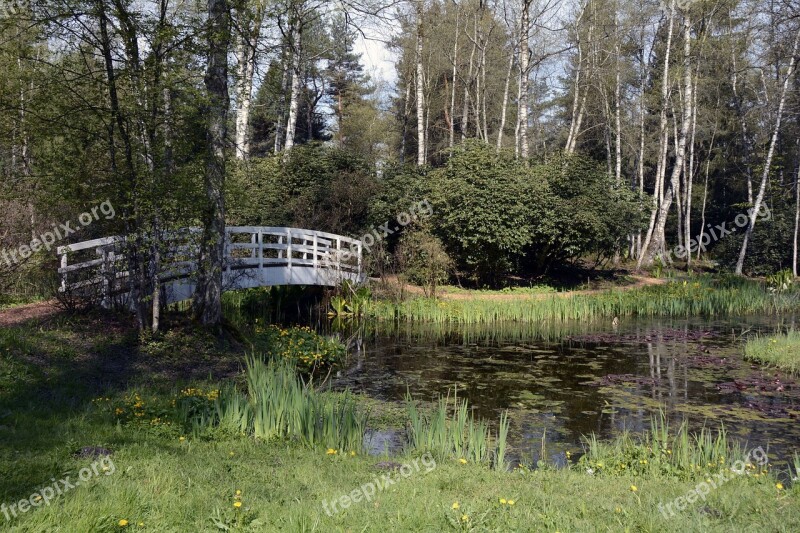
(73, 355)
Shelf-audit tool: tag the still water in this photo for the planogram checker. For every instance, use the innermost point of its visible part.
(561, 384)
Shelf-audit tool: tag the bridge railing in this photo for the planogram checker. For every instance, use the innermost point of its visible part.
(254, 256)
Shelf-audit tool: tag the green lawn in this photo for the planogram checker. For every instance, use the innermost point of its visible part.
(780, 351)
(56, 401)
(167, 484)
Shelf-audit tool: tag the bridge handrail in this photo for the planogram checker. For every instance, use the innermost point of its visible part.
(319, 250)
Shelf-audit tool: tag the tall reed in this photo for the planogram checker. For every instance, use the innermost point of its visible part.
(702, 296)
(452, 431)
(277, 405)
(663, 452)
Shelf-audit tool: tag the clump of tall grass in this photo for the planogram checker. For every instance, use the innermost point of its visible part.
(781, 351)
(277, 405)
(702, 296)
(662, 452)
(452, 431)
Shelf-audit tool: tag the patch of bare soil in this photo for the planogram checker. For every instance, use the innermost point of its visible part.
(14, 316)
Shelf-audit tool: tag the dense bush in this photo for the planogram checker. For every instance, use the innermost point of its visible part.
(484, 204)
(319, 187)
(587, 216)
(497, 216)
(423, 260)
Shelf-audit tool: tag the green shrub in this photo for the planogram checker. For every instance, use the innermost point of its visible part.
(423, 260)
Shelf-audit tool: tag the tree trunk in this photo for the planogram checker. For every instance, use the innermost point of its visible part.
(421, 149)
(768, 162)
(467, 84)
(207, 303)
(663, 140)
(796, 220)
(246, 59)
(617, 107)
(452, 124)
(504, 108)
(524, 67)
(658, 239)
(294, 97)
(687, 223)
(281, 107)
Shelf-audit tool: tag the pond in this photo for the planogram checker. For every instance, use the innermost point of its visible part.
(561, 384)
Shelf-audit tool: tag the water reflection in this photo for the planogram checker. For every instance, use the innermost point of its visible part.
(563, 382)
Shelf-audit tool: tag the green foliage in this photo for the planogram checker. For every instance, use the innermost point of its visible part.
(353, 301)
(319, 188)
(705, 297)
(278, 405)
(452, 431)
(423, 260)
(662, 452)
(496, 216)
(483, 209)
(780, 351)
(780, 281)
(579, 220)
(307, 350)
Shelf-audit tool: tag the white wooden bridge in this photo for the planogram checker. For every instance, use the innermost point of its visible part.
(255, 256)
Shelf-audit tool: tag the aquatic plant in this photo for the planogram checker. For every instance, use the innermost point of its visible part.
(664, 452)
(704, 296)
(278, 405)
(781, 351)
(452, 431)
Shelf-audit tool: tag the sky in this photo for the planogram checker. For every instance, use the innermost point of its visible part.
(378, 61)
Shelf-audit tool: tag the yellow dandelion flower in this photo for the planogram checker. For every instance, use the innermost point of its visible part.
(779, 486)
(331, 451)
(464, 518)
(237, 504)
(352, 454)
(510, 502)
(238, 493)
(634, 488)
(455, 505)
(122, 523)
(503, 501)
(462, 461)
(140, 524)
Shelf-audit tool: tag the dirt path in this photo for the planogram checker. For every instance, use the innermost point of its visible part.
(23, 313)
(640, 281)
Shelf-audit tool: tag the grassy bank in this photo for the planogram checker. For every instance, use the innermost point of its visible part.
(184, 460)
(703, 296)
(780, 351)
